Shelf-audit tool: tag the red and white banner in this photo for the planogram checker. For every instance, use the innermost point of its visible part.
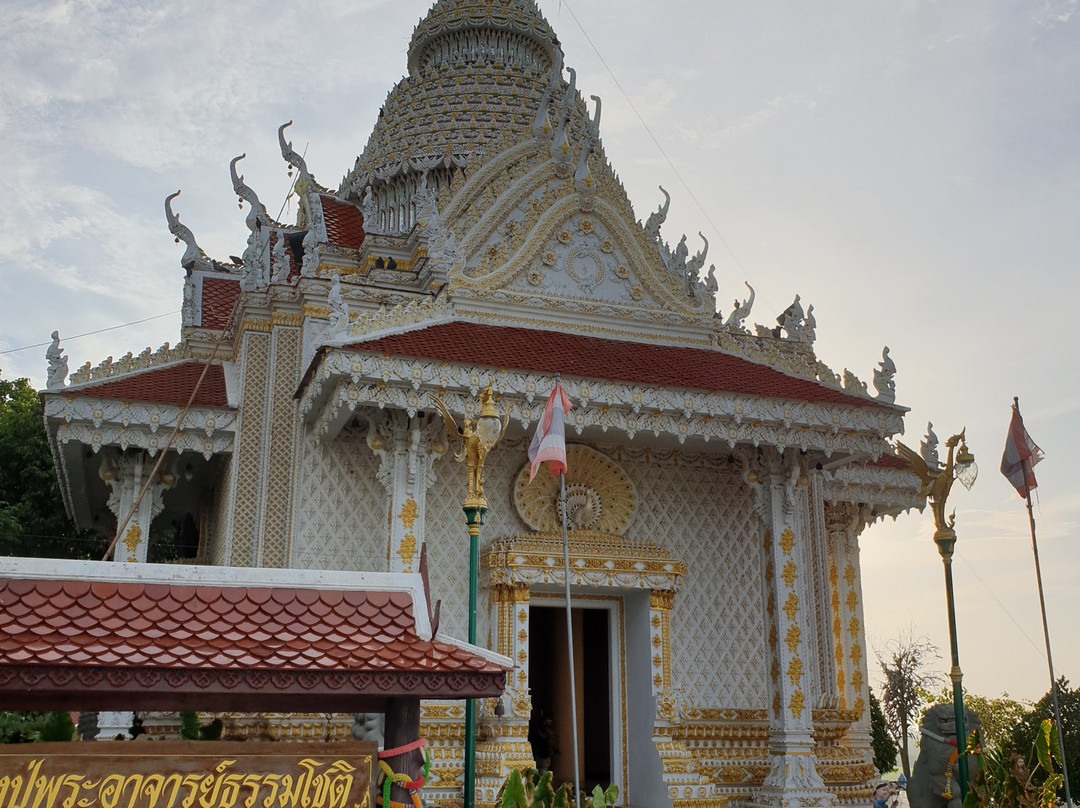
(549, 442)
(1021, 455)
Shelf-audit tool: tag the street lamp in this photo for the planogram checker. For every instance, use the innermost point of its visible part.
(937, 483)
(477, 437)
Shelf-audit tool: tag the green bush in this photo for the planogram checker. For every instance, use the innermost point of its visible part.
(1006, 780)
(529, 788)
(57, 726)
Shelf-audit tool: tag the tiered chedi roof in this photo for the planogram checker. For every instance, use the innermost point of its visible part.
(483, 197)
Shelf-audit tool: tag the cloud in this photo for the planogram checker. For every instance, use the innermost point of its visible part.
(1056, 12)
(770, 109)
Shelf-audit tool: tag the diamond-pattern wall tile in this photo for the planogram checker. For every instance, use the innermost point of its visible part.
(700, 511)
(343, 508)
(247, 457)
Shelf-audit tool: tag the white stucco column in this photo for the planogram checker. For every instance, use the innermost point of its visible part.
(126, 474)
(781, 490)
(844, 522)
(407, 449)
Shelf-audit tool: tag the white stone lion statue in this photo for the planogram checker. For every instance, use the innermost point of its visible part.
(935, 777)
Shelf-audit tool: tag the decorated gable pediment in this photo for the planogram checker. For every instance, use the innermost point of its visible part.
(580, 257)
(531, 229)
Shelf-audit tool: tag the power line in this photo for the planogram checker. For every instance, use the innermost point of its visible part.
(656, 142)
(91, 333)
(1001, 605)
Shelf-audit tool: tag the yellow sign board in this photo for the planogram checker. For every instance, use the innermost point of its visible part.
(186, 774)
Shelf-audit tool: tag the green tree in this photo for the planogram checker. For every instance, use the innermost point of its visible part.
(32, 518)
(57, 726)
(906, 687)
(885, 748)
(20, 727)
(998, 715)
(1027, 729)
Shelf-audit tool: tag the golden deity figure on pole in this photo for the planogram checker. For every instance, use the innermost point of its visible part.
(477, 437)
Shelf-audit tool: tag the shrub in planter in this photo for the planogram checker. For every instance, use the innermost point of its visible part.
(529, 788)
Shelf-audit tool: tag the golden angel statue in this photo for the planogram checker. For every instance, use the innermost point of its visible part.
(477, 436)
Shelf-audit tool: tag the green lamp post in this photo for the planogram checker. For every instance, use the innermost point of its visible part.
(937, 483)
(477, 437)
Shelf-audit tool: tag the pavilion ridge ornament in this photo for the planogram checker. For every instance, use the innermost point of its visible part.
(130, 363)
(58, 363)
(884, 378)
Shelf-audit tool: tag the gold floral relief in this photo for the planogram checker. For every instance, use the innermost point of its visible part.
(409, 513)
(787, 541)
(791, 606)
(791, 572)
(133, 537)
(795, 671)
(794, 636)
(407, 550)
(798, 704)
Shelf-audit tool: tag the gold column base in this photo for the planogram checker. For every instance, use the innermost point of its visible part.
(503, 746)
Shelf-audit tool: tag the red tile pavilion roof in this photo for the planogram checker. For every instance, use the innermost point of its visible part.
(223, 644)
(598, 358)
(166, 385)
(344, 223)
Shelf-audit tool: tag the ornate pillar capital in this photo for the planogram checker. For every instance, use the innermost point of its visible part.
(407, 448)
(126, 473)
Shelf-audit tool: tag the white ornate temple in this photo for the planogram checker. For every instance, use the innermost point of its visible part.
(719, 475)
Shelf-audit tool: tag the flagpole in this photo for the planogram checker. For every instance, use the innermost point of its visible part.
(551, 446)
(1046, 629)
(570, 636)
(569, 627)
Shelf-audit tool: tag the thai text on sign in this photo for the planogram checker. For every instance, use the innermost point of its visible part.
(114, 774)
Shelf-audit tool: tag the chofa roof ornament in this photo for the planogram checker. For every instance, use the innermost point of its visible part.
(290, 156)
(257, 217)
(193, 258)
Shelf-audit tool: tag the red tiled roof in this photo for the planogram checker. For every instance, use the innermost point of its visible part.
(167, 385)
(890, 462)
(596, 358)
(344, 223)
(219, 297)
(71, 633)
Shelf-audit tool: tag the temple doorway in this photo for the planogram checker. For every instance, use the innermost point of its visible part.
(598, 685)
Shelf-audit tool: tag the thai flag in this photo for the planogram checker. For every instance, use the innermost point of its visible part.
(1021, 455)
(549, 442)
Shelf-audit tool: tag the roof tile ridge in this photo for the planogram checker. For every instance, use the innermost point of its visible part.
(403, 318)
(130, 365)
(784, 357)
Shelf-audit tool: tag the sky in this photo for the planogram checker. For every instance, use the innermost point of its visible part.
(910, 167)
